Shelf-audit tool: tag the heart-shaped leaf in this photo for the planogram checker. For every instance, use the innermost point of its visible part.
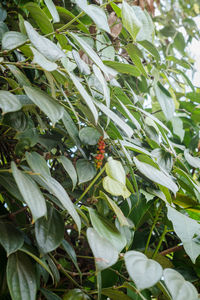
(143, 271)
(86, 171)
(104, 252)
(179, 288)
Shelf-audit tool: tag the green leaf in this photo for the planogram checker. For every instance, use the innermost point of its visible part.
(115, 170)
(133, 53)
(10, 238)
(30, 192)
(100, 77)
(69, 168)
(147, 30)
(89, 136)
(70, 251)
(9, 102)
(107, 230)
(19, 75)
(115, 294)
(12, 40)
(71, 128)
(86, 97)
(49, 295)
(156, 175)
(90, 52)
(40, 17)
(51, 7)
(177, 125)
(179, 42)
(192, 227)
(104, 252)
(85, 170)
(42, 61)
(135, 148)
(193, 161)
(75, 294)
(54, 186)
(123, 68)
(21, 277)
(50, 50)
(179, 288)
(115, 187)
(150, 48)
(114, 117)
(143, 271)
(49, 231)
(46, 103)
(165, 100)
(193, 96)
(96, 13)
(3, 29)
(130, 20)
(118, 212)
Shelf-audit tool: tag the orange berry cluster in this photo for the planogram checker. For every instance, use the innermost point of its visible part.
(100, 152)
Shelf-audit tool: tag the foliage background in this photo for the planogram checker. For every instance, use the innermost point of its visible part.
(99, 150)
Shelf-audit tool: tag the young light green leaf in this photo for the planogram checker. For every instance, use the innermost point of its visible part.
(192, 227)
(30, 192)
(9, 102)
(46, 103)
(69, 168)
(143, 271)
(12, 40)
(104, 252)
(49, 231)
(40, 17)
(107, 230)
(21, 277)
(85, 170)
(53, 10)
(115, 187)
(179, 288)
(50, 50)
(193, 161)
(130, 20)
(10, 238)
(165, 100)
(96, 13)
(115, 170)
(156, 175)
(126, 128)
(87, 98)
(147, 30)
(42, 61)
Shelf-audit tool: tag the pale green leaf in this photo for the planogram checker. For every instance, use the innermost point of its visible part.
(9, 102)
(143, 271)
(12, 40)
(42, 61)
(53, 11)
(193, 161)
(115, 187)
(130, 20)
(165, 100)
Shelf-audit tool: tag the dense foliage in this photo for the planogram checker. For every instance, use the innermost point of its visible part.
(99, 150)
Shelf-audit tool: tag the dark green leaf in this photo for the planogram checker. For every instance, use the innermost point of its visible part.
(85, 170)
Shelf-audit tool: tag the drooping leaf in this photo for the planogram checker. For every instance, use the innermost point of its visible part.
(69, 168)
(19, 75)
(12, 40)
(85, 170)
(179, 288)
(96, 13)
(42, 61)
(107, 230)
(104, 252)
(70, 251)
(130, 20)
(46, 103)
(115, 187)
(115, 170)
(165, 100)
(45, 46)
(192, 227)
(40, 17)
(103, 82)
(53, 11)
(156, 175)
(30, 192)
(21, 277)
(10, 238)
(143, 271)
(49, 230)
(9, 102)
(193, 161)
(147, 29)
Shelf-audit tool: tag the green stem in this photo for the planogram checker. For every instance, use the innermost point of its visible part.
(160, 241)
(99, 285)
(91, 184)
(152, 228)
